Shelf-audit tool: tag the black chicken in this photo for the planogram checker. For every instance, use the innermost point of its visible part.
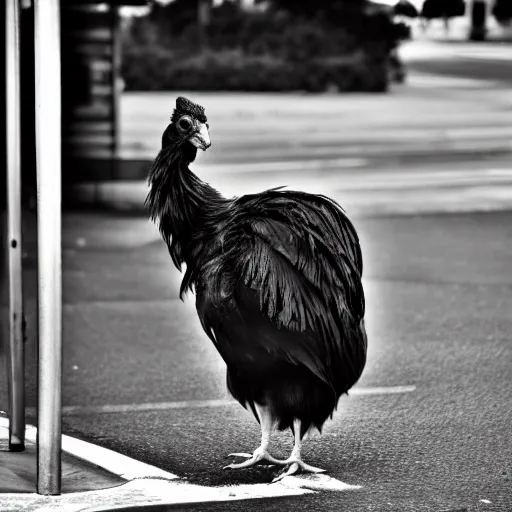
(277, 277)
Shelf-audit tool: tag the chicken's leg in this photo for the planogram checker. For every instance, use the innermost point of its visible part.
(268, 425)
(294, 462)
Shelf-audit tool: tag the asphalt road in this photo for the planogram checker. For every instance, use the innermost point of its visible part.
(437, 140)
(439, 302)
(497, 70)
(488, 61)
(439, 291)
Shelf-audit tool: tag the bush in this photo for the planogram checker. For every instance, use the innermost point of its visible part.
(237, 71)
(261, 51)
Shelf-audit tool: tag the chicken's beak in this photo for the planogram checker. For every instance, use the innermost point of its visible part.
(201, 139)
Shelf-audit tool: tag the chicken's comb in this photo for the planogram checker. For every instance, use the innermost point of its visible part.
(185, 106)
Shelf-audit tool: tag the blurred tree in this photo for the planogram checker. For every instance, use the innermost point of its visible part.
(478, 20)
(443, 9)
(405, 8)
(346, 13)
(502, 10)
(178, 15)
(327, 39)
(311, 7)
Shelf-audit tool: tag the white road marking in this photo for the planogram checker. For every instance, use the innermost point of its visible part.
(146, 493)
(445, 82)
(79, 410)
(380, 181)
(282, 166)
(114, 462)
(382, 390)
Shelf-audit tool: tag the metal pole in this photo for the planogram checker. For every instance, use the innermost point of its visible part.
(16, 348)
(48, 157)
(116, 72)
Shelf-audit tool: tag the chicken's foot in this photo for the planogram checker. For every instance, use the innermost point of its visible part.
(261, 454)
(294, 462)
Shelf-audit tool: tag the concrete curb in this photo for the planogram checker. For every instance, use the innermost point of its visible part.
(113, 462)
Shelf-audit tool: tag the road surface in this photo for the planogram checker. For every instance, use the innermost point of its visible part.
(142, 379)
(489, 61)
(428, 425)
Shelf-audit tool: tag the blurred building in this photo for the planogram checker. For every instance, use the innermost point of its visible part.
(90, 88)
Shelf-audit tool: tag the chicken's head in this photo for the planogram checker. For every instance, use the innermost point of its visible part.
(188, 129)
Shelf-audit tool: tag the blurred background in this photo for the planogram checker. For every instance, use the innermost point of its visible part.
(382, 78)
(348, 80)
(401, 111)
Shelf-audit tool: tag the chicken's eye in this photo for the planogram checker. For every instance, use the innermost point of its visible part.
(185, 124)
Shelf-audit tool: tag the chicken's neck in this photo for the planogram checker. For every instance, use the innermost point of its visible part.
(184, 206)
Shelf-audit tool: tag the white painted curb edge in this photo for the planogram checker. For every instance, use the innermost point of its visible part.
(115, 463)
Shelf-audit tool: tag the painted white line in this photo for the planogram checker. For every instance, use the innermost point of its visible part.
(348, 181)
(295, 163)
(145, 493)
(381, 181)
(436, 144)
(382, 390)
(116, 463)
(76, 410)
(442, 82)
(151, 406)
(283, 166)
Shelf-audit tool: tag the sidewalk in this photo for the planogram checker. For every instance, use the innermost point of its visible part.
(18, 471)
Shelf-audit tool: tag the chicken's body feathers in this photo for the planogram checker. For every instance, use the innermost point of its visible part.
(278, 289)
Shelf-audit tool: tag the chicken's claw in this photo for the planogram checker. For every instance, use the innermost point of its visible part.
(259, 456)
(243, 455)
(297, 466)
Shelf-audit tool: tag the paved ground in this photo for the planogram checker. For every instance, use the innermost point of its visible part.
(439, 301)
(18, 471)
(142, 379)
(490, 61)
(431, 114)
